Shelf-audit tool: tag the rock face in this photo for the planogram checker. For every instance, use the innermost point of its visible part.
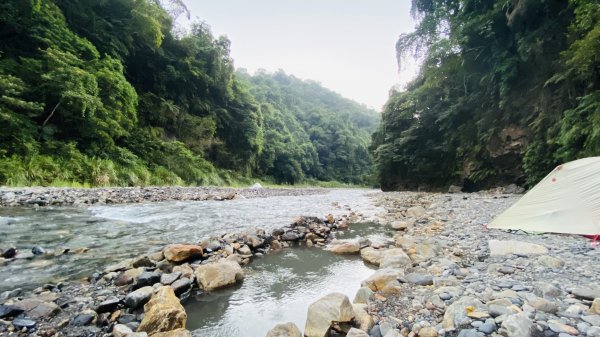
(163, 312)
(509, 247)
(218, 275)
(331, 308)
(180, 253)
(285, 330)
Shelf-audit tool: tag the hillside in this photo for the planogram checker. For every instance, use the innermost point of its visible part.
(106, 93)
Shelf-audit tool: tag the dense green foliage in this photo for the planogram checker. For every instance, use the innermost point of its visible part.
(311, 132)
(105, 93)
(506, 91)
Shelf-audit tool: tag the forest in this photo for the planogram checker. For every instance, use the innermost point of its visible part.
(506, 91)
(112, 92)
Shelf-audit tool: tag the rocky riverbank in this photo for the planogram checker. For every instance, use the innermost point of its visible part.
(442, 274)
(50, 196)
(445, 274)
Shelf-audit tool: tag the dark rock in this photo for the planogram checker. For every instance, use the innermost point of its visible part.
(127, 318)
(10, 253)
(278, 231)
(139, 297)
(167, 279)
(108, 305)
(21, 323)
(290, 236)
(147, 279)
(10, 311)
(182, 285)
(37, 250)
(82, 319)
(133, 325)
(143, 262)
(10, 294)
(164, 266)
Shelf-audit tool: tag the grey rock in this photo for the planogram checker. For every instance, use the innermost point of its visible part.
(147, 279)
(10, 311)
(37, 250)
(82, 319)
(488, 327)
(419, 279)
(588, 293)
(108, 305)
(469, 333)
(138, 297)
(21, 323)
(592, 319)
(518, 325)
(593, 331)
(167, 279)
(181, 286)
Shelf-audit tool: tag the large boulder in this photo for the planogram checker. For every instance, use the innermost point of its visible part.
(456, 313)
(385, 280)
(285, 330)
(180, 253)
(344, 247)
(371, 255)
(163, 312)
(332, 308)
(509, 247)
(219, 274)
(395, 258)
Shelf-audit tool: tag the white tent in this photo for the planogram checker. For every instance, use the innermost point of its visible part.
(566, 201)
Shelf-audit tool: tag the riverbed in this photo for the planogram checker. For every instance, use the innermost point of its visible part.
(79, 241)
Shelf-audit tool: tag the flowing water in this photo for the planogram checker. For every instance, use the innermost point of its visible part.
(278, 288)
(112, 233)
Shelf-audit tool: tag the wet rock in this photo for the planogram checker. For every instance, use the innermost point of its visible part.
(167, 279)
(108, 305)
(10, 311)
(37, 250)
(143, 261)
(332, 308)
(456, 313)
(285, 330)
(181, 286)
(138, 297)
(510, 247)
(84, 318)
(383, 280)
(185, 270)
(173, 333)
(218, 274)
(181, 253)
(147, 279)
(26, 323)
(518, 325)
(10, 253)
(163, 312)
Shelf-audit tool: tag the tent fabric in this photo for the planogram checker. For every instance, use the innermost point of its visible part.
(566, 201)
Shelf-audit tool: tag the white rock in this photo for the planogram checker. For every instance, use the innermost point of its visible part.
(509, 247)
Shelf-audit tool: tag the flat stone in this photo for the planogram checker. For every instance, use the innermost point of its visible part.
(108, 305)
(592, 319)
(10, 311)
(588, 293)
(419, 279)
(559, 327)
(138, 297)
(167, 279)
(83, 319)
(147, 279)
(510, 247)
(21, 323)
(36, 308)
(344, 247)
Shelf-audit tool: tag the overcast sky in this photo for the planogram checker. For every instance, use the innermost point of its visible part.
(347, 45)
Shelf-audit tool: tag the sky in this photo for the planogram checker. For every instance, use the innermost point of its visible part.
(346, 45)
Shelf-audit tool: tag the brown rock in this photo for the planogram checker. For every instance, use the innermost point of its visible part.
(180, 253)
(220, 274)
(174, 333)
(163, 312)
